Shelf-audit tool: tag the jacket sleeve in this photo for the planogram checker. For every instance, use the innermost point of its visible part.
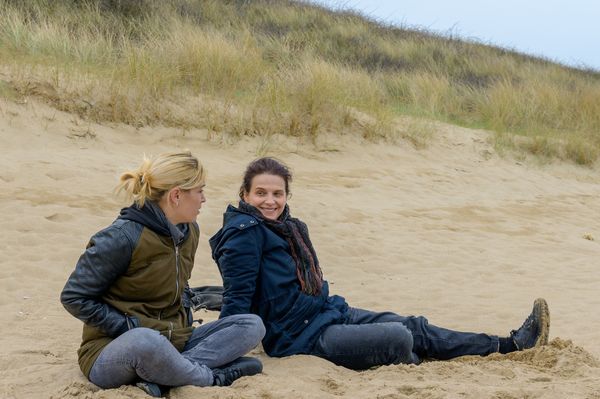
(239, 259)
(106, 257)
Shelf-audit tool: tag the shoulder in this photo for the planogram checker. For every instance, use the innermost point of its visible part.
(241, 221)
(111, 248)
(233, 218)
(121, 234)
(238, 228)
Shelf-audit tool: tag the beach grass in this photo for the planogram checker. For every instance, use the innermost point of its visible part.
(284, 67)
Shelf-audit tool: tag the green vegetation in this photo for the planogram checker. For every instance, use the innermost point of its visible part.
(275, 66)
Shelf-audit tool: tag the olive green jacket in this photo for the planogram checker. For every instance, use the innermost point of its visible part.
(131, 276)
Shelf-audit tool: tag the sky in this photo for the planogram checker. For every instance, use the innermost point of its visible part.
(565, 31)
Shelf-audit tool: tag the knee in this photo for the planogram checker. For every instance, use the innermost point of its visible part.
(251, 324)
(255, 326)
(144, 340)
(402, 338)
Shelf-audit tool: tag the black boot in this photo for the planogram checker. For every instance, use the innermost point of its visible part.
(535, 329)
(150, 388)
(244, 366)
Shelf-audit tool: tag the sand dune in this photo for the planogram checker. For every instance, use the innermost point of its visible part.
(454, 232)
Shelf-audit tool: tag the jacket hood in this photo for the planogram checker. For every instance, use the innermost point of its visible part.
(151, 216)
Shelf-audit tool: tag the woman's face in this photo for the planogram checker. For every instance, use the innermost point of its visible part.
(190, 202)
(267, 194)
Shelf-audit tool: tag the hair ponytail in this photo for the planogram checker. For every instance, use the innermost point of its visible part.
(156, 176)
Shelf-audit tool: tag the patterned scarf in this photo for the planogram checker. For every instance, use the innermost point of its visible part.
(295, 232)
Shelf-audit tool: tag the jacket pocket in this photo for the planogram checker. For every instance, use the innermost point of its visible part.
(299, 316)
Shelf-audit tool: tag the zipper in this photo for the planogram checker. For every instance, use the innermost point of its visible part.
(176, 275)
(128, 321)
(170, 330)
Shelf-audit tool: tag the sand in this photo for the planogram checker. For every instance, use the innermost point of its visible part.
(454, 232)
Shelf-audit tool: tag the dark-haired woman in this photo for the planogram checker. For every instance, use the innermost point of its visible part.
(129, 289)
(269, 267)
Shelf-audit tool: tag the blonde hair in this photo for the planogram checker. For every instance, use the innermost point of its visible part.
(156, 176)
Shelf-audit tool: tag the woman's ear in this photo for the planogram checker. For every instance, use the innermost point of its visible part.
(174, 196)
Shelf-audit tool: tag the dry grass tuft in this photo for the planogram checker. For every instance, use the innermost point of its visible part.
(283, 67)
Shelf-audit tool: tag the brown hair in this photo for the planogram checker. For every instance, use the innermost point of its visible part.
(269, 166)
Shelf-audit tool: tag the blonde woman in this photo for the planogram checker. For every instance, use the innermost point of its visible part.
(130, 290)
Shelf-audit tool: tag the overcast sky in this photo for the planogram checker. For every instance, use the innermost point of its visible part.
(567, 31)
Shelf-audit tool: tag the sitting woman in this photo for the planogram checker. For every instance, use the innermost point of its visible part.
(269, 268)
(129, 289)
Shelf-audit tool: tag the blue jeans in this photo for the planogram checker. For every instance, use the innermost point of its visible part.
(142, 353)
(368, 339)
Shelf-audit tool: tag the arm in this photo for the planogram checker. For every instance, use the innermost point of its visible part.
(239, 259)
(106, 257)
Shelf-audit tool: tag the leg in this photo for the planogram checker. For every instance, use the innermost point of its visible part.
(143, 353)
(222, 341)
(361, 346)
(431, 341)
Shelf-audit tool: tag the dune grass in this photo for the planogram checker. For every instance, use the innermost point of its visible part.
(283, 67)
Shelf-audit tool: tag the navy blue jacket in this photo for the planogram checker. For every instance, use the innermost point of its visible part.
(259, 276)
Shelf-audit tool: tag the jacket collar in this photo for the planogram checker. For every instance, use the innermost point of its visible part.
(150, 215)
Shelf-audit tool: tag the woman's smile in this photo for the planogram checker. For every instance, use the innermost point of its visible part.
(267, 194)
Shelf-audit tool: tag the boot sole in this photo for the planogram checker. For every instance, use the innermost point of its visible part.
(540, 308)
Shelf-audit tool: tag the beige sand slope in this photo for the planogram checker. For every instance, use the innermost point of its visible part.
(453, 232)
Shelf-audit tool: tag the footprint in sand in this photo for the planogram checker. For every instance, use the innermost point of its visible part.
(354, 216)
(59, 217)
(331, 386)
(59, 175)
(7, 178)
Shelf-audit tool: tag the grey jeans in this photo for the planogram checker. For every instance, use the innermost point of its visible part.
(368, 339)
(142, 353)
